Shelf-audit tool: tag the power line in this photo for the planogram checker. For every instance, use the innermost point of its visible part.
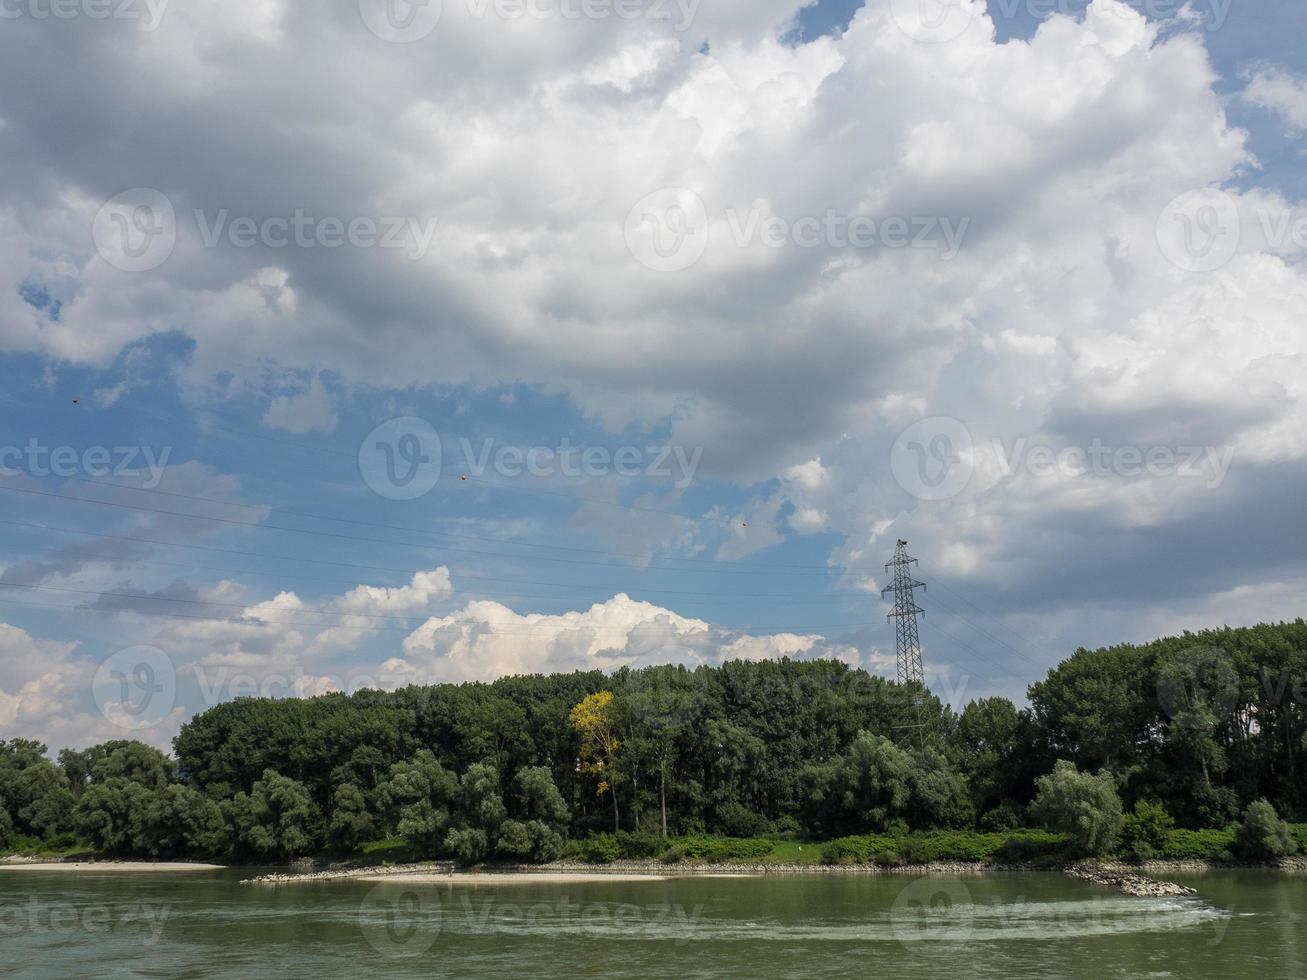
(350, 537)
(446, 534)
(388, 569)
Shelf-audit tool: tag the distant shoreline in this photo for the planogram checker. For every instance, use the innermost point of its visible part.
(640, 870)
(63, 867)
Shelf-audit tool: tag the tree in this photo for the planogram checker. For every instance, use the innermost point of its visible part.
(542, 830)
(1080, 804)
(350, 823)
(417, 798)
(1146, 830)
(114, 815)
(278, 818)
(184, 822)
(1263, 835)
(592, 718)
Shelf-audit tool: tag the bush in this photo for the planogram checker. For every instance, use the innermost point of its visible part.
(944, 845)
(1145, 831)
(785, 828)
(639, 847)
(1183, 845)
(736, 820)
(1005, 816)
(718, 849)
(1263, 835)
(1083, 805)
(601, 849)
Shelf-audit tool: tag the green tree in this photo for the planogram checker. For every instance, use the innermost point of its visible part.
(417, 798)
(277, 818)
(114, 815)
(1263, 835)
(1083, 805)
(1146, 830)
(350, 823)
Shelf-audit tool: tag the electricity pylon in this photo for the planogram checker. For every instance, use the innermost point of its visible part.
(907, 639)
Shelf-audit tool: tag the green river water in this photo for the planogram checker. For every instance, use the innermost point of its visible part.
(114, 924)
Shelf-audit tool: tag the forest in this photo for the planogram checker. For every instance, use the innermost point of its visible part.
(1194, 732)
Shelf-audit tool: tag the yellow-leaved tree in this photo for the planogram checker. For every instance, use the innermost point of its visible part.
(593, 718)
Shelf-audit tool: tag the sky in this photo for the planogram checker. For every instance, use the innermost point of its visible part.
(359, 344)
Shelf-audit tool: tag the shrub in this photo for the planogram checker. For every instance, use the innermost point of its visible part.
(1182, 845)
(1005, 816)
(1081, 804)
(717, 849)
(601, 849)
(1145, 831)
(1263, 835)
(785, 828)
(639, 847)
(737, 820)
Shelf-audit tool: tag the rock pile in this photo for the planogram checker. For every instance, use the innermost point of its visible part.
(335, 874)
(1129, 882)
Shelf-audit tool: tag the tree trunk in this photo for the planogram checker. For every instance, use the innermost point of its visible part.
(612, 791)
(662, 798)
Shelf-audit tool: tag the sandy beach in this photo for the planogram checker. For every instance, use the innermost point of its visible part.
(114, 866)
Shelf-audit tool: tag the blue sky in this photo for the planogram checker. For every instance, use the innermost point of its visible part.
(762, 421)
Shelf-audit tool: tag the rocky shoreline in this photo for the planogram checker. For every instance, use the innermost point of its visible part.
(1128, 881)
(432, 868)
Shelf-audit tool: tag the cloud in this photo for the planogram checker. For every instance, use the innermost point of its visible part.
(1065, 317)
(485, 640)
(310, 411)
(1281, 92)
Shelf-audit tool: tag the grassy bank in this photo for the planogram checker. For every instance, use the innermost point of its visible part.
(887, 850)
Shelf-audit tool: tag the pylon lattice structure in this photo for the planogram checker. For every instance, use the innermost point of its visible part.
(904, 617)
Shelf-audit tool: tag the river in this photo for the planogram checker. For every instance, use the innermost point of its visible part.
(115, 924)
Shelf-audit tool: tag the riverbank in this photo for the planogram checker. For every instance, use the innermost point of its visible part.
(97, 867)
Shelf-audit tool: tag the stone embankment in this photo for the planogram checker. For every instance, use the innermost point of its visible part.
(1129, 882)
(336, 874)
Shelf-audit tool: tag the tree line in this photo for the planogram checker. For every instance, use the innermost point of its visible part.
(1188, 730)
